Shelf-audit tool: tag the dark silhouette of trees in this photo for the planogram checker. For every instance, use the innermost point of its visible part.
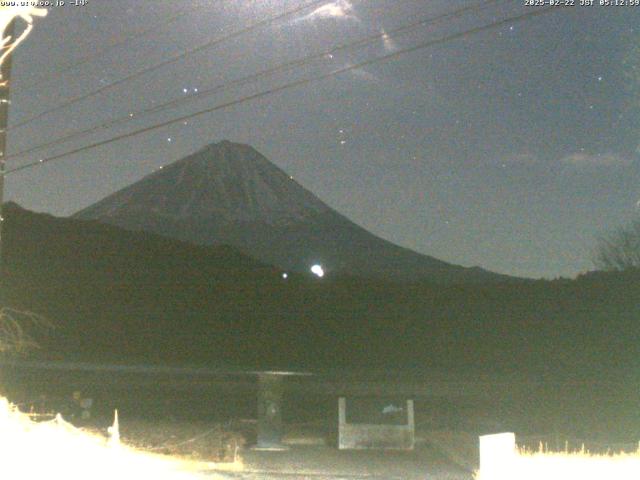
(619, 250)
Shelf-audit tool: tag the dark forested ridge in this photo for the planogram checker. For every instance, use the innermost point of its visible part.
(131, 297)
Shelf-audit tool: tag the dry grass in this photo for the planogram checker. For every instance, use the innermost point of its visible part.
(460, 448)
(56, 449)
(545, 465)
(195, 440)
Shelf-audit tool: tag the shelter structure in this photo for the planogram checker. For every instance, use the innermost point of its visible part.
(270, 385)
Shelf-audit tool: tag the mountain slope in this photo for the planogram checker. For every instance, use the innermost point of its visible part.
(228, 193)
(117, 295)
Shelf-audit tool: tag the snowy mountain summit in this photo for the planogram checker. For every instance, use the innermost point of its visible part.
(228, 181)
(228, 193)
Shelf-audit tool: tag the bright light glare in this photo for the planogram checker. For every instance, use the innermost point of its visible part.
(571, 465)
(56, 449)
(317, 270)
(387, 41)
(7, 14)
(339, 9)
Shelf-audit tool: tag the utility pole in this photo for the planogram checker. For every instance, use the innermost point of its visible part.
(5, 68)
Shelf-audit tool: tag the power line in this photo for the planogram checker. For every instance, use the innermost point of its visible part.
(448, 38)
(124, 39)
(164, 63)
(250, 78)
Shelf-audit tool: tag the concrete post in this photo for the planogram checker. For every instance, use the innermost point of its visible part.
(410, 417)
(342, 411)
(411, 425)
(270, 428)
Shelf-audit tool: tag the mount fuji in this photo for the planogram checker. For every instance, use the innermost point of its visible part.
(229, 193)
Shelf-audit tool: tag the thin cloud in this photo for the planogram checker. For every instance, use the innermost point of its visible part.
(519, 159)
(388, 42)
(341, 9)
(364, 75)
(597, 160)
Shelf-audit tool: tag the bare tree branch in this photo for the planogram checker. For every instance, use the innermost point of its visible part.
(15, 328)
(619, 250)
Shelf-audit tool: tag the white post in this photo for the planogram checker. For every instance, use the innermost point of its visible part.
(497, 456)
(114, 432)
(410, 417)
(342, 411)
(411, 425)
(342, 421)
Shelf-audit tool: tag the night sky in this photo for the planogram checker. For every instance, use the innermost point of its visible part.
(512, 149)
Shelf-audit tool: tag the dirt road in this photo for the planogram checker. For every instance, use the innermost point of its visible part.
(327, 463)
